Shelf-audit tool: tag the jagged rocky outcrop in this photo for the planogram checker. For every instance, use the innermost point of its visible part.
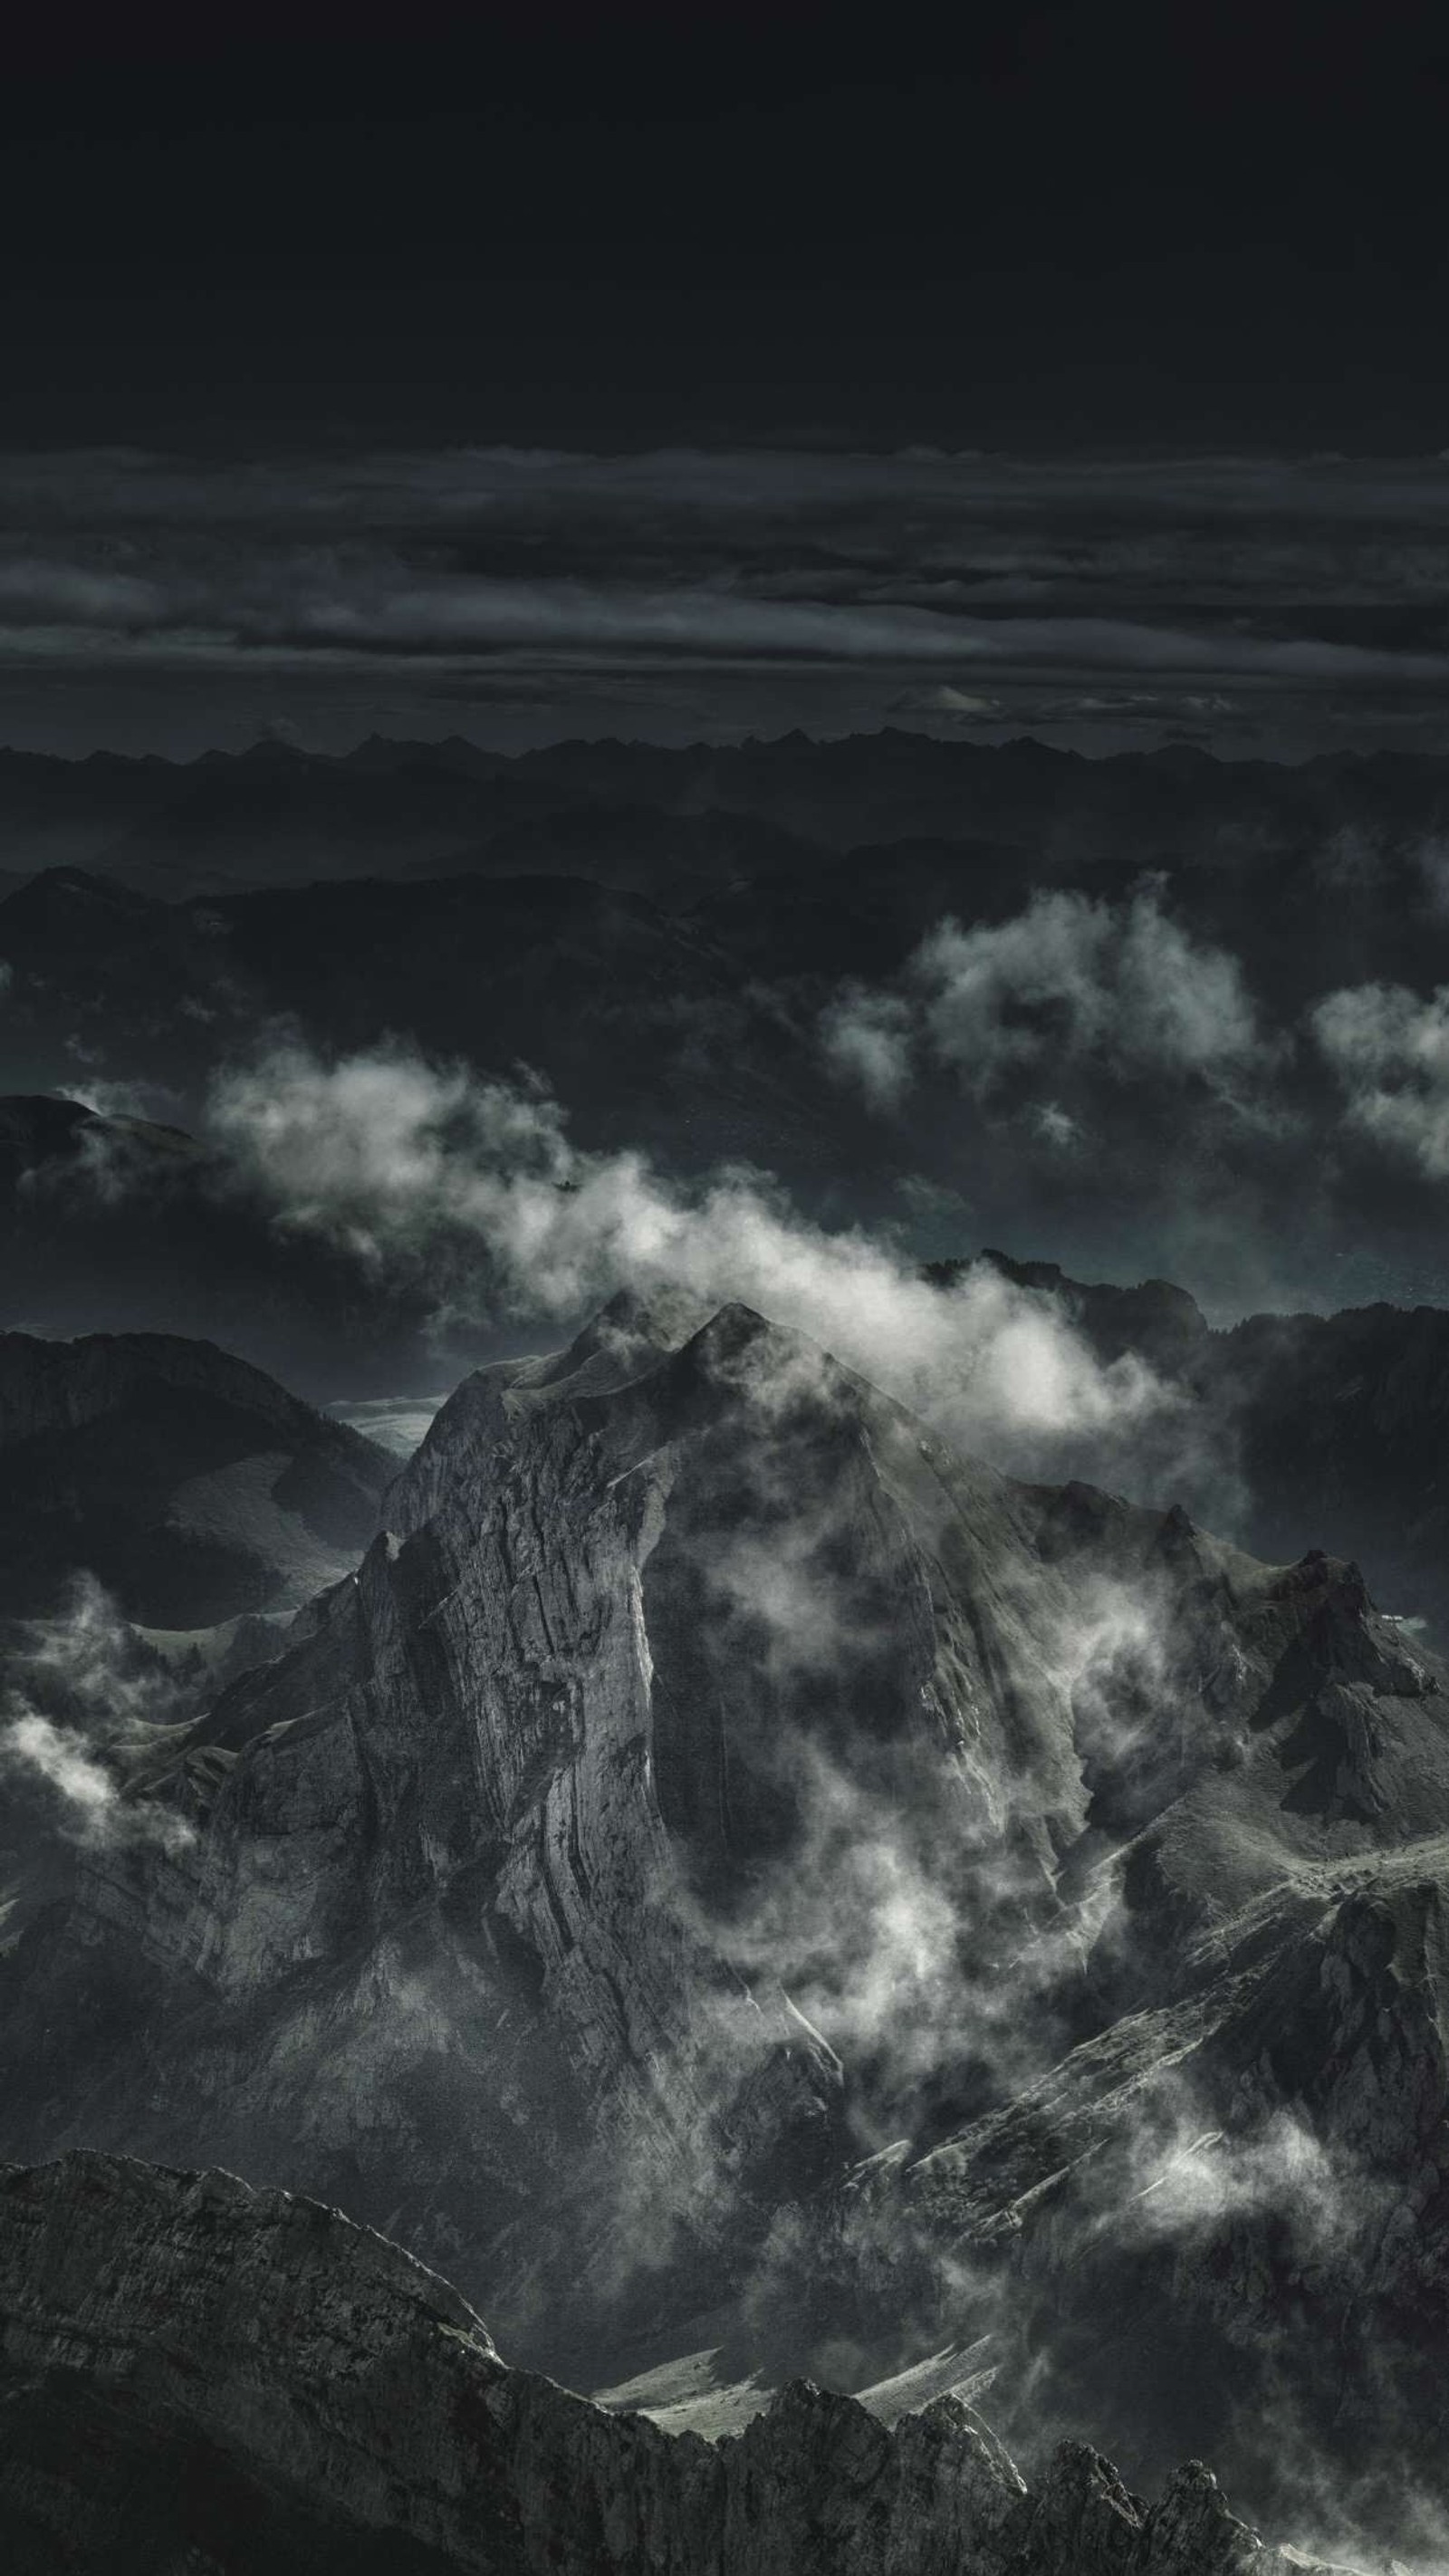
(196, 2375)
(728, 1871)
(189, 1483)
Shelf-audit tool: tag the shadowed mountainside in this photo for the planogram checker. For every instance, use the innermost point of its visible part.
(196, 2374)
(191, 1485)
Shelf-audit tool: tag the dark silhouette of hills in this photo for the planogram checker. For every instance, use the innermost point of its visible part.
(193, 1487)
(316, 2404)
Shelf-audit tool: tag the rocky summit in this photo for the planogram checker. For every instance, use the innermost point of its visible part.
(198, 2376)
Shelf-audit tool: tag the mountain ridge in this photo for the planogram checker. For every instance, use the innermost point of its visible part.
(363, 2419)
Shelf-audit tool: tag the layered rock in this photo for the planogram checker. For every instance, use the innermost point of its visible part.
(195, 2375)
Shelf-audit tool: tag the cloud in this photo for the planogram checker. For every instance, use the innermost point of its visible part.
(1056, 1126)
(1203, 2179)
(475, 1190)
(32, 1742)
(1071, 980)
(82, 1700)
(1073, 976)
(1390, 1052)
(867, 1040)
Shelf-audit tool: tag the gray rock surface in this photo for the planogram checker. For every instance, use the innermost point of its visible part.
(198, 2376)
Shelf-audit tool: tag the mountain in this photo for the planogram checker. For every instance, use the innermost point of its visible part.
(197, 2375)
(191, 1485)
(746, 953)
(275, 812)
(730, 1876)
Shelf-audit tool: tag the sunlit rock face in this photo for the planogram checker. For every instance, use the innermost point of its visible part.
(729, 1872)
(198, 2375)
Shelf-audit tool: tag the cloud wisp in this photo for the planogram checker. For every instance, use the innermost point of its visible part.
(81, 1700)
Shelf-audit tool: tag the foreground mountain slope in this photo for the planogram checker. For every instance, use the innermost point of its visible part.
(189, 1483)
(196, 2375)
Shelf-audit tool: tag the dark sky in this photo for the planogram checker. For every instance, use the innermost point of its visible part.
(599, 226)
(302, 260)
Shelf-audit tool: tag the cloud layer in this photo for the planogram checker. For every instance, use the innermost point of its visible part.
(723, 591)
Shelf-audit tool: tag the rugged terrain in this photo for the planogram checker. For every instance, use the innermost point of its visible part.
(729, 1875)
(198, 2376)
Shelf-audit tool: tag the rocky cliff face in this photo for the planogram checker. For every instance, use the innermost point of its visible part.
(198, 2376)
(729, 1872)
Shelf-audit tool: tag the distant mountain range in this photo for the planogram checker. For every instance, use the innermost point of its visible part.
(273, 813)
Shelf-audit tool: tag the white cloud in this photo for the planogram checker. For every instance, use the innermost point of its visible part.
(83, 1699)
(1071, 980)
(1390, 1052)
(1073, 977)
(474, 1191)
(867, 1040)
(1056, 1126)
